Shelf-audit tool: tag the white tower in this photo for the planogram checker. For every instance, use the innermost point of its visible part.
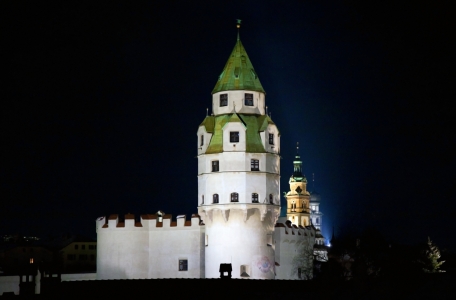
(239, 174)
(315, 214)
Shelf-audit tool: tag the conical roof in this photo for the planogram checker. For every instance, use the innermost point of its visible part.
(238, 73)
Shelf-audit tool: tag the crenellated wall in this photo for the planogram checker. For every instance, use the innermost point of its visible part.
(150, 247)
(290, 241)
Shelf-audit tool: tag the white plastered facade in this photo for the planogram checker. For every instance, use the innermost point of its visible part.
(243, 232)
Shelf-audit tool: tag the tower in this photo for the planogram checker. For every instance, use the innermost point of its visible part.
(315, 214)
(298, 197)
(239, 173)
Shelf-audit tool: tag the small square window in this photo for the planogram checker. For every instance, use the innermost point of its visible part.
(254, 165)
(83, 247)
(76, 247)
(271, 139)
(254, 198)
(234, 136)
(183, 265)
(248, 99)
(223, 99)
(215, 166)
(234, 197)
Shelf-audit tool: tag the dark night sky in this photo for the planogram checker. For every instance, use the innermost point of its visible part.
(101, 104)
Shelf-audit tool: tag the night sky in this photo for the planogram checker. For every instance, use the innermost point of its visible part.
(100, 104)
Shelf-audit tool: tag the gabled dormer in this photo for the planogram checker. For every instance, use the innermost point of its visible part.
(204, 134)
(269, 133)
(234, 134)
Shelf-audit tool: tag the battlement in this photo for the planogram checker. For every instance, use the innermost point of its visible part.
(287, 230)
(148, 221)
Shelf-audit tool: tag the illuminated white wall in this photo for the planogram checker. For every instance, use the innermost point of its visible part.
(288, 242)
(236, 99)
(240, 234)
(150, 251)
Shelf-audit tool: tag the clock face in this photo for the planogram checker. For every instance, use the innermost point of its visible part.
(298, 190)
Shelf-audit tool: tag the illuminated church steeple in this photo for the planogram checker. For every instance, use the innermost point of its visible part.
(298, 197)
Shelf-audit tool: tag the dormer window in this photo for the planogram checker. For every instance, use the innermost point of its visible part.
(248, 99)
(234, 136)
(271, 139)
(223, 100)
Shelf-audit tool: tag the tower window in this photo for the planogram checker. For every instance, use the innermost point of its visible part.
(317, 220)
(234, 136)
(248, 99)
(223, 100)
(271, 199)
(202, 199)
(271, 139)
(215, 198)
(254, 165)
(202, 140)
(215, 166)
(183, 265)
(254, 198)
(234, 197)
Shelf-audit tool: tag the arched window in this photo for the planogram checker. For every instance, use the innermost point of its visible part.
(254, 198)
(271, 199)
(317, 221)
(215, 198)
(234, 197)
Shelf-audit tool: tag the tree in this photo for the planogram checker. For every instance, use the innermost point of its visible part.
(430, 261)
(302, 264)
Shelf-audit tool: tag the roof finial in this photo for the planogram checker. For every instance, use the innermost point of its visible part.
(313, 182)
(297, 147)
(238, 25)
(266, 110)
(207, 111)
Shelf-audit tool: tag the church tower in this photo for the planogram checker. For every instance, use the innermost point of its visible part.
(298, 197)
(239, 173)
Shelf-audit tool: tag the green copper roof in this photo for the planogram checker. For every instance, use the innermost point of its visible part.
(264, 121)
(235, 118)
(251, 122)
(208, 123)
(238, 73)
(216, 144)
